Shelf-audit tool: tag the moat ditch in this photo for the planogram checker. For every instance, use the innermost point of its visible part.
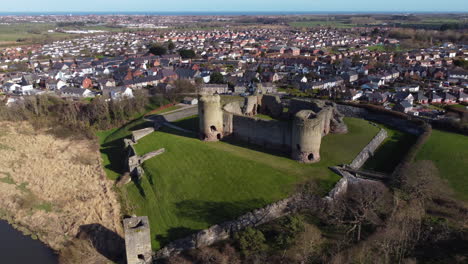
(17, 248)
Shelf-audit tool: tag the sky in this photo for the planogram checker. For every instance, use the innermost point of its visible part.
(233, 5)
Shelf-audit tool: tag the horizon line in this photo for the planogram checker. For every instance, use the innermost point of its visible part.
(226, 12)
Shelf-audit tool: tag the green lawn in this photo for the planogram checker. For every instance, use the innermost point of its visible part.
(189, 123)
(196, 184)
(449, 152)
(264, 117)
(390, 153)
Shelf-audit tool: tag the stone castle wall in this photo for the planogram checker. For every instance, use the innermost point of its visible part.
(225, 230)
(271, 134)
(369, 149)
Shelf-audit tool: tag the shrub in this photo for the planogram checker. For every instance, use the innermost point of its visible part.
(290, 227)
(250, 241)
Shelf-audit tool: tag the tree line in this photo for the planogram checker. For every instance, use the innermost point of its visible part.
(78, 118)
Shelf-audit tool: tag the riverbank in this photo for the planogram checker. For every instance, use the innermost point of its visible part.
(13, 244)
(55, 190)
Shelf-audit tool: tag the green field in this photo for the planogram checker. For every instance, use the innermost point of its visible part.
(29, 32)
(449, 152)
(38, 32)
(323, 23)
(196, 184)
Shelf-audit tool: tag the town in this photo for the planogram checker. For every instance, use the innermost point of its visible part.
(352, 65)
(234, 138)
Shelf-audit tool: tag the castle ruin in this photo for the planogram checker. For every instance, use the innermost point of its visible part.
(211, 118)
(138, 240)
(312, 120)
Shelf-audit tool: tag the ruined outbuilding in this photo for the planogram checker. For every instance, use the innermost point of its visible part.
(138, 240)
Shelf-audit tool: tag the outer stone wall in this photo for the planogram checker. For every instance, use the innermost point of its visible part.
(369, 150)
(223, 231)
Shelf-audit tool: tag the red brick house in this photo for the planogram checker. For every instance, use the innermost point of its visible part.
(87, 83)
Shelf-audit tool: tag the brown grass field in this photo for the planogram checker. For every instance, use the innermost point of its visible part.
(50, 187)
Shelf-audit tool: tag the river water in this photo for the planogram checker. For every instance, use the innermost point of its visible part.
(16, 248)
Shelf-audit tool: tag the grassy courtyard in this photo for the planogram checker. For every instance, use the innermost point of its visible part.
(449, 152)
(197, 184)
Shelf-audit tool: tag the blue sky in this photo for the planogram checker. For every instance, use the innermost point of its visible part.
(232, 5)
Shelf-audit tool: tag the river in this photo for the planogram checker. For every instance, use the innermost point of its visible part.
(16, 248)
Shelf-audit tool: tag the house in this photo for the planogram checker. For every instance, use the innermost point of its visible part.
(404, 106)
(141, 82)
(87, 83)
(164, 87)
(61, 84)
(458, 74)
(370, 86)
(448, 98)
(214, 89)
(350, 76)
(293, 51)
(403, 96)
(117, 93)
(190, 101)
(411, 89)
(377, 97)
(421, 98)
(75, 92)
(51, 85)
(166, 75)
(11, 87)
(352, 94)
(268, 87)
(317, 85)
(434, 98)
(462, 97)
(240, 88)
(186, 73)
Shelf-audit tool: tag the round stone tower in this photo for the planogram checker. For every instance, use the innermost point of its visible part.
(307, 134)
(211, 117)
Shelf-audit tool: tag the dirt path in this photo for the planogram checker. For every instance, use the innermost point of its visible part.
(52, 187)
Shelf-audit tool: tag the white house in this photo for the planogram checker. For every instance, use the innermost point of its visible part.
(190, 101)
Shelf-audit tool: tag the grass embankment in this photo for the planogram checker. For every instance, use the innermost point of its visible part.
(196, 184)
(391, 151)
(189, 123)
(449, 152)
